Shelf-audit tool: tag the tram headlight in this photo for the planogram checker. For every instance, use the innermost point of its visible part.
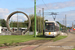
(53, 33)
(45, 33)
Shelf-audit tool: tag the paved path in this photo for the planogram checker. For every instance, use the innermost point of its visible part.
(64, 44)
(25, 47)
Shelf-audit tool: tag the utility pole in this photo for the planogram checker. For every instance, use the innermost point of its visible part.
(17, 22)
(38, 24)
(65, 23)
(43, 19)
(40, 21)
(35, 16)
(72, 25)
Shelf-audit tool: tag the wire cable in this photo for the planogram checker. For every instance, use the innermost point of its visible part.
(45, 4)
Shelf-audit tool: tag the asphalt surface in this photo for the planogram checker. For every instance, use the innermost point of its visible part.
(64, 44)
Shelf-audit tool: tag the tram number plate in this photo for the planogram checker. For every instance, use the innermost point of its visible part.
(49, 33)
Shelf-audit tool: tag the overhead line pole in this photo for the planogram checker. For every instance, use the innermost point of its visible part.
(35, 16)
(38, 24)
(40, 20)
(17, 23)
(65, 23)
(43, 19)
(72, 25)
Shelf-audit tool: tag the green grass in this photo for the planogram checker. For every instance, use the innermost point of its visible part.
(23, 38)
(59, 38)
(73, 49)
(17, 38)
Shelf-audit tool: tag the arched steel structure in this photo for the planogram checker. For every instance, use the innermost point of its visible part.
(7, 22)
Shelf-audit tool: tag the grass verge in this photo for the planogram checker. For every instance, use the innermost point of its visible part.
(73, 49)
(13, 39)
(59, 38)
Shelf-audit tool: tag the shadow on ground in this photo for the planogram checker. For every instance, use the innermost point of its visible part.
(42, 36)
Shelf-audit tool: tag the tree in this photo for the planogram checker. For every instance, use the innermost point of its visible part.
(46, 20)
(3, 22)
(62, 26)
(14, 24)
(39, 23)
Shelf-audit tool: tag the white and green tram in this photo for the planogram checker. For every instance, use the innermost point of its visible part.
(51, 28)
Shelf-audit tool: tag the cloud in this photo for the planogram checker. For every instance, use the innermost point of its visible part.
(50, 6)
(69, 14)
(59, 5)
(21, 18)
(70, 17)
(68, 25)
(3, 13)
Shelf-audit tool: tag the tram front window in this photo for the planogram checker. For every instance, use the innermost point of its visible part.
(49, 27)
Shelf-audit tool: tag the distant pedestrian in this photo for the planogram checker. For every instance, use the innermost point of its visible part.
(13, 29)
(69, 30)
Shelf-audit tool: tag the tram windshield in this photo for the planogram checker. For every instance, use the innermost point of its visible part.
(49, 27)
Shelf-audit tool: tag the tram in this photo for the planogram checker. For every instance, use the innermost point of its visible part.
(51, 28)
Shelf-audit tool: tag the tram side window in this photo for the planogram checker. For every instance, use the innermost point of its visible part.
(1, 29)
(56, 28)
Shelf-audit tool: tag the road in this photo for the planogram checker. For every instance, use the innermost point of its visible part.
(64, 44)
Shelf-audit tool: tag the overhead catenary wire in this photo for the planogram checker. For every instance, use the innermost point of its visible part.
(49, 13)
(42, 7)
(44, 3)
(38, 7)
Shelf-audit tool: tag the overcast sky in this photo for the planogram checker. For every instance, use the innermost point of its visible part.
(63, 7)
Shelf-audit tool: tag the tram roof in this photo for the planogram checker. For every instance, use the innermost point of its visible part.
(51, 21)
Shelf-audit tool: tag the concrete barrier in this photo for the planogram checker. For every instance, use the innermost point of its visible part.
(63, 33)
(0, 29)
